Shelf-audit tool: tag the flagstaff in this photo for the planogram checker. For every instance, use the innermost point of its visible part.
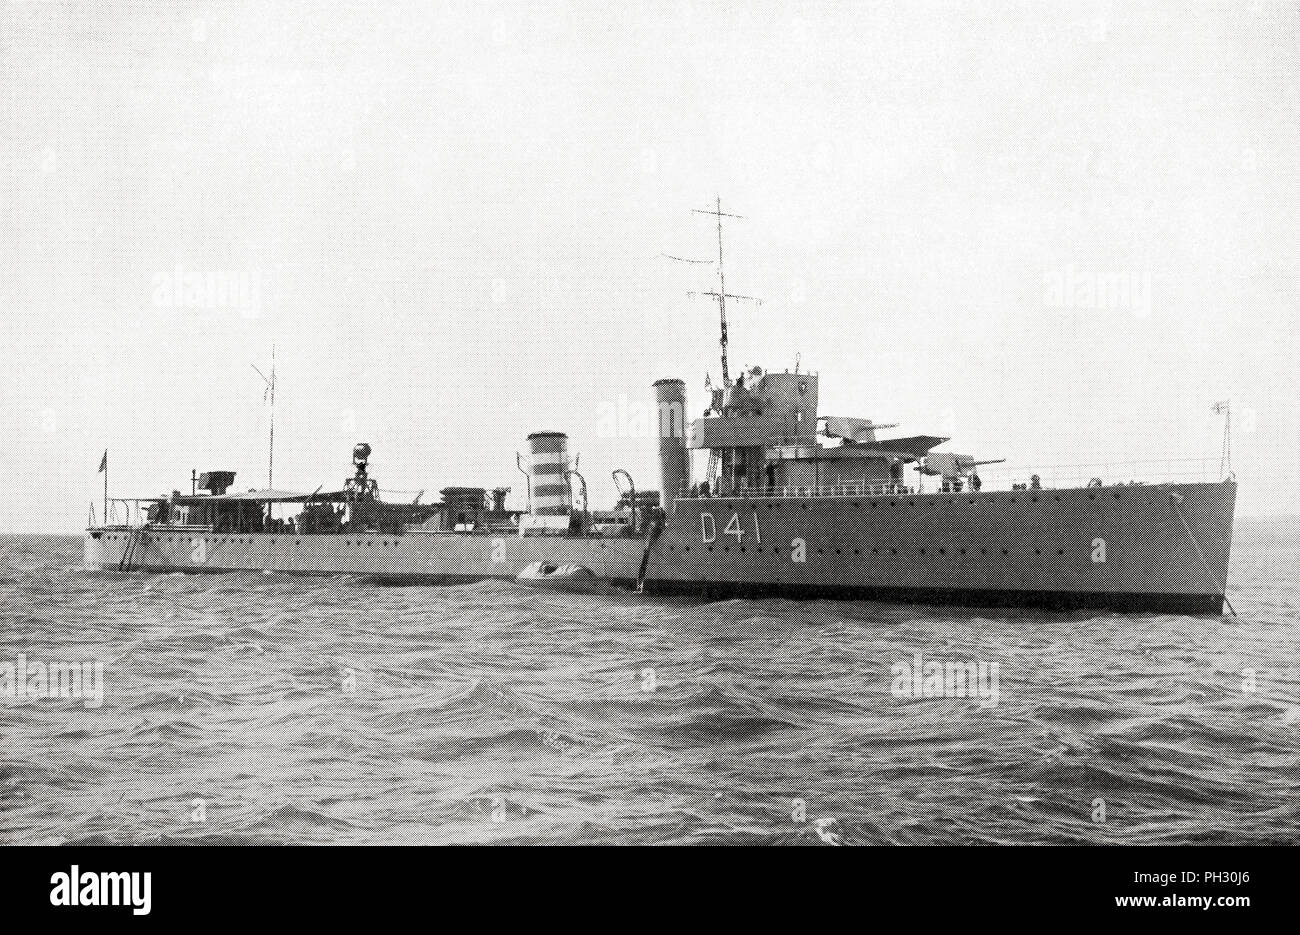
(103, 469)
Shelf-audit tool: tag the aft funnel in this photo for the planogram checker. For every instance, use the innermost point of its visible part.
(549, 463)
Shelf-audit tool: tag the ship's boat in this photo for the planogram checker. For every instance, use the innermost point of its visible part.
(567, 577)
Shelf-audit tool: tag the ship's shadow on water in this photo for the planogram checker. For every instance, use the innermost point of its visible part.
(268, 709)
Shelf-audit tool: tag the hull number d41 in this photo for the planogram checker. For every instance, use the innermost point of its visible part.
(709, 528)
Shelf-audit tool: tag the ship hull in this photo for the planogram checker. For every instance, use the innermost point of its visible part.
(446, 558)
(1124, 548)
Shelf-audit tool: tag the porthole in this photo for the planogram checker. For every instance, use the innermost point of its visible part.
(923, 551)
(943, 551)
(1005, 552)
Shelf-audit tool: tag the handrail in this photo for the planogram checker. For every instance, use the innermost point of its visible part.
(1109, 473)
(863, 489)
(1058, 477)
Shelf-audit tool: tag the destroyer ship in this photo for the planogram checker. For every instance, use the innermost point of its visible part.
(790, 503)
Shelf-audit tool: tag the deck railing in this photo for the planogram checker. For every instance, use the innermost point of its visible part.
(1051, 477)
(122, 514)
(1102, 473)
(834, 490)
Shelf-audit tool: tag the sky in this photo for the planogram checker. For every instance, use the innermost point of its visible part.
(1056, 233)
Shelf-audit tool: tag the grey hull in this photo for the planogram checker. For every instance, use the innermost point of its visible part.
(1121, 547)
(448, 558)
(1125, 548)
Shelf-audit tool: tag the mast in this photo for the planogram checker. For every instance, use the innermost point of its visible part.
(1224, 408)
(722, 295)
(269, 392)
(270, 457)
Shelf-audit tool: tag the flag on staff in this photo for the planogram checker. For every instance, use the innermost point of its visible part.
(103, 462)
(1220, 407)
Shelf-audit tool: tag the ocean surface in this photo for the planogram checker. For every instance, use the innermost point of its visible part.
(259, 708)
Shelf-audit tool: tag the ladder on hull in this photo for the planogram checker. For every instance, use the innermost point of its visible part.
(127, 561)
(651, 535)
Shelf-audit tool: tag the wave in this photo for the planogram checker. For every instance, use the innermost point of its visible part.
(416, 714)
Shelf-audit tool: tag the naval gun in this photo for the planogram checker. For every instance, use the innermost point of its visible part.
(955, 469)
